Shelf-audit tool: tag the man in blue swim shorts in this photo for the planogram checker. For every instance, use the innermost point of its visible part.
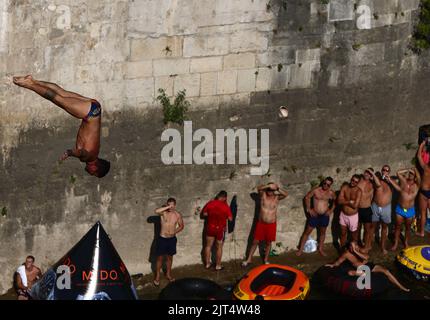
(410, 181)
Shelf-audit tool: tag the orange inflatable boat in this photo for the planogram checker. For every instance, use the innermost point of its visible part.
(272, 282)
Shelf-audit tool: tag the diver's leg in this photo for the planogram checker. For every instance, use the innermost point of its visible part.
(67, 94)
(75, 106)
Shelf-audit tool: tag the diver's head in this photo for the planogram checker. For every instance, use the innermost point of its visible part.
(98, 167)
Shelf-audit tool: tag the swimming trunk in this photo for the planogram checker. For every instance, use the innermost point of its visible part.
(265, 231)
(351, 222)
(216, 231)
(381, 213)
(321, 220)
(365, 215)
(95, 110)
(166, 246)
(405, 213)
(425, 193)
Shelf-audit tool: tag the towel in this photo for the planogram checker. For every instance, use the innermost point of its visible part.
(23, 275)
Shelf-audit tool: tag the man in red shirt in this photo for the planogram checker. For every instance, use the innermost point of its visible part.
(216, 212)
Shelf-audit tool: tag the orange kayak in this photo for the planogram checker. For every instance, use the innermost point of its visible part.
(272, 282)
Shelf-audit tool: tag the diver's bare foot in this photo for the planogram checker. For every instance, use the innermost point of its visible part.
(394, 248)
(384, 252)
(421, 234)
(405, 289)
(23, 81)
(321, 252)
(299, 253)
(406, 245)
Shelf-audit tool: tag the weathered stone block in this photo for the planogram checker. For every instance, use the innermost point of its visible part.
(206, 64)
(140, 88)
(155, 48)
(407, 5)
(246, 80)
(341, 10)
(308, 55)
(227, 82)
(239, 61)
(210, 45)
(166, 83)
(264, 79)
(248, 40)
(140, 69)
(370, 54)
(208, 83)
(166, 67)
(276, 55)
(301, 75)
(189, 82)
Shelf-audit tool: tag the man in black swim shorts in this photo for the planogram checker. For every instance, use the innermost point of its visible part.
(364, 208)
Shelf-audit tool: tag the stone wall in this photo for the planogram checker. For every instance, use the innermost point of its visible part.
(355, 94)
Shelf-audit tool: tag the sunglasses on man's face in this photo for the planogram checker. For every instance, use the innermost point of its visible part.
(385, 170)
(327, 184)
(354, 181)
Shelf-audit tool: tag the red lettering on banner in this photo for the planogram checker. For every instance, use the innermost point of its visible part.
(86, 276)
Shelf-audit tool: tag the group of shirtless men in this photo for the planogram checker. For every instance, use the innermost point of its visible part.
(363, 203)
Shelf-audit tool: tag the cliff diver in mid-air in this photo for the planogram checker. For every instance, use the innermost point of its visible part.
(88, 110)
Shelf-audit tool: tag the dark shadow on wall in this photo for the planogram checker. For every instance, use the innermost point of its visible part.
(233, 208)
(156, 221)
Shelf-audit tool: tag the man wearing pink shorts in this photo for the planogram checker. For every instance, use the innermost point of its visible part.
(349, 199)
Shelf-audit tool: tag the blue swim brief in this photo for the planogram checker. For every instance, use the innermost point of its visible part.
(405, 213)
(95, 110)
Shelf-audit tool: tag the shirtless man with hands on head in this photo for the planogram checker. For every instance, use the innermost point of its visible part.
(265, 230)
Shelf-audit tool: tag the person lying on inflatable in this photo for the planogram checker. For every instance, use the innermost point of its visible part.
(355, 255)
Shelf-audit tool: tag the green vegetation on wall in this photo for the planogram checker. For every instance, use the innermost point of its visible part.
(421, 36)
(175, 112)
